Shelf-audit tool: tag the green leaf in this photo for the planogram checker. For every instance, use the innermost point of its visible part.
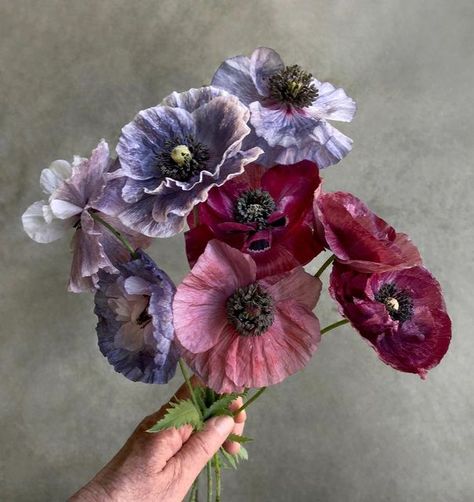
(243, 454)
(239, 439)
(178, 414)
(221, 406)
(232, 461)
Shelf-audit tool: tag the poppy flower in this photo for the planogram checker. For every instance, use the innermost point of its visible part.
(265, 213)
(135, 328)
(171, 155)
(289, 108)
(235, 330)
(400, 313)
(359, 238)
(73, 191)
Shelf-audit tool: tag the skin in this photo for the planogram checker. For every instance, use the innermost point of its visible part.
(162, 466)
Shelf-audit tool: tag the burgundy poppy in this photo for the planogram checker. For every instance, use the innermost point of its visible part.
(359, 238)
(264, 213)
(400, 313)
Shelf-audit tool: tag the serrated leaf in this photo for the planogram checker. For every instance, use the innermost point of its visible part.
(239, 439)
(178, 414)
(221, 406)
(229, 460)
(242, 453)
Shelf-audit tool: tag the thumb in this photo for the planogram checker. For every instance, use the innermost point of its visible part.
(201, 447)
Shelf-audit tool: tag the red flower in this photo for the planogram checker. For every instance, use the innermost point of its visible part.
(400, 313)
(264, 213)
(235, 330)
(359, 238)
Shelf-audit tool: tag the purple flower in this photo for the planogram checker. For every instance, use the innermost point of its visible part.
(135, 327)
(73, 191)
(400, 313)
(289, 109)
(171, 155)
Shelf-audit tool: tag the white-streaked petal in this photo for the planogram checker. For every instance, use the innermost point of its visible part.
(136, 286)
(38, 228)
(332, 103)
(63, 209)
(54, 175)
(264, 63)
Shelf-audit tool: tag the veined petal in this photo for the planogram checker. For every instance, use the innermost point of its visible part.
(332, 103)
(54, 175)
(264, 63)
(40, 230)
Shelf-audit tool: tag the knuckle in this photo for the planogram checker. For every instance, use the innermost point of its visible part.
(202, 447)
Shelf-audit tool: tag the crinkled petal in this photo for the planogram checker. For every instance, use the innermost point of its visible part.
(193, 98)
(235, 76)
(52, 177)
(38, 228)
(264, 63)
(332, 103)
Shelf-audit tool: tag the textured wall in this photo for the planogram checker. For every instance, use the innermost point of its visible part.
(348, 428)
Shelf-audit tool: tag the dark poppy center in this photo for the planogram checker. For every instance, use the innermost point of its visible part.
(251, 310)
(254, 206)
(293, 86)
(398, 303)
(182, 158)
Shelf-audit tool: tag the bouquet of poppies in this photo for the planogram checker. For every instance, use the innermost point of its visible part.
(236, 166)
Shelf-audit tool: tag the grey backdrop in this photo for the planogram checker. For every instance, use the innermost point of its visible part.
(348, 428)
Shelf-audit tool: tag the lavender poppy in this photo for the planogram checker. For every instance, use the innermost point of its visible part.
(289, 108)
(73, 191)
(400, 313)
(171, 155)
(135, 327)
(266, 213)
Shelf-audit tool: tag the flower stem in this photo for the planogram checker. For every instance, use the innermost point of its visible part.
(193, 497)
(334, 325)
(217, 475)
(324, 266)
(188, 383)
(251, 400)
(209, 481)
(115, 232)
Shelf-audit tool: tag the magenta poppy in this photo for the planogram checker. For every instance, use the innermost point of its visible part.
(359, 238)
(400, 313)
(264, 213)
(237, 331)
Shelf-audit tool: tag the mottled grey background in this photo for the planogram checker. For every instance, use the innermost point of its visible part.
(348, 428)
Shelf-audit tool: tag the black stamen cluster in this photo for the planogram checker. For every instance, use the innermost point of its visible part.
(251, 310)
(254, 206)
(190, 166)
(390, 291)
(293, 86)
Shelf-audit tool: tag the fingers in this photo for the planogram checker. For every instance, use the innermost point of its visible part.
(233, 447)
(199, 449)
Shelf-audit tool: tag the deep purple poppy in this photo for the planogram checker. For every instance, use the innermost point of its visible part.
(400, 313)
(289, 109)
(171, 155)
(265, 213)
(359, 238)
(73, 191)
(135, 327)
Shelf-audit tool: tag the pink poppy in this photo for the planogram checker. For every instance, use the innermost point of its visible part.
(400, 313)
(359, 238)
(265, 213)
(238, 331)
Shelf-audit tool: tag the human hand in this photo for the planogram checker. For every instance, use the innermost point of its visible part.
(164, 465)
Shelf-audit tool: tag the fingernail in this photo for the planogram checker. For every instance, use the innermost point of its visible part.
(224, 424)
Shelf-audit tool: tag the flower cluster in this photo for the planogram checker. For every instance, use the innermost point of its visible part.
(236, 165)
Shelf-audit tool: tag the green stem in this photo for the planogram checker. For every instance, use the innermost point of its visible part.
(334, 325)
(251, 400)
(193, 497)
(190, 387)
(324, 266)
(217, 475)
(115, 232)
(209, 481)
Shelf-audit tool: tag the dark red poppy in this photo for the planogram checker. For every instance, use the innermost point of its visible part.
(359, 238)
(400, 313)
(264, 213)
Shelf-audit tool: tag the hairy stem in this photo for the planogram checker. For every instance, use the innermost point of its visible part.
(209, 481)
(251, 400)
(334, 326)
(95, 216)
(324, 266)
(182, 366)
(217, 475)
(193, 497)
